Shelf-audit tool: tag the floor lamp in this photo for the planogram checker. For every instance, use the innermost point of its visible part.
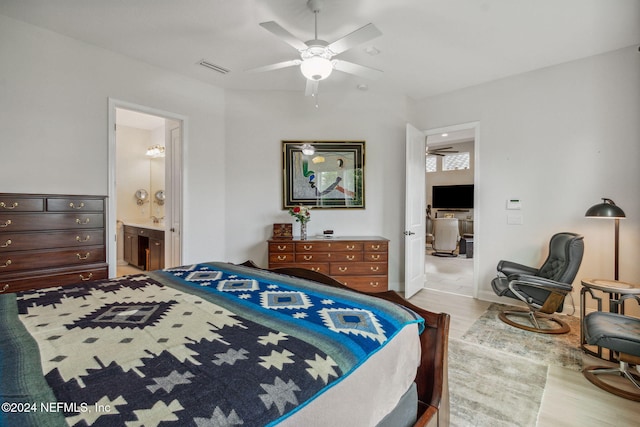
(608, 209)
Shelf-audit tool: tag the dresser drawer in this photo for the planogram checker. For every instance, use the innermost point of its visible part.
(21, 204)
(302, 247)
(313, 257)
(360, 268)
(281, 247)
(54, 221)
(74, 204)
(29, 260)
(376, 247)
(365, 283)
(280, 258)
(376, 256)
(314, 266)
(53, 277)
(50, 239)
(347, 257)
(347, 246)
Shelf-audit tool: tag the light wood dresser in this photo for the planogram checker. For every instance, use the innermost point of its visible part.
(358, 262)
(51, 240)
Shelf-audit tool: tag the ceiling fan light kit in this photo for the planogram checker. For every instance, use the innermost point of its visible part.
(316, 68)
(316, 55)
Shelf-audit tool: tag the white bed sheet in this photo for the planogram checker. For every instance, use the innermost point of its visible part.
(370, 392)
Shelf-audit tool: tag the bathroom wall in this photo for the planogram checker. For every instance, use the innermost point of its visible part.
(135, 171)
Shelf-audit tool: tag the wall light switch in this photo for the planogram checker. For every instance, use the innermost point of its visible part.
(514, 219)
(514, 204)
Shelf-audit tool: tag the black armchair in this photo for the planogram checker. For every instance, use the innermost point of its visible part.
(542, 289)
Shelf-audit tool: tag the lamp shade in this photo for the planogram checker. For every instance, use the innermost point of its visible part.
(316, 68)
(606, 209)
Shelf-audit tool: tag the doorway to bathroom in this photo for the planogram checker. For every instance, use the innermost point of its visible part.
(145, 207)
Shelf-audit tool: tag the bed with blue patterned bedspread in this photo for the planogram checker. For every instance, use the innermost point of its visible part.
(206, 344)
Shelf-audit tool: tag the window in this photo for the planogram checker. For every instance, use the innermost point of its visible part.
(453, 162)
(432, 164)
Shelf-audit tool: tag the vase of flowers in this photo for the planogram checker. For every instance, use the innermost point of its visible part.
(302, 214)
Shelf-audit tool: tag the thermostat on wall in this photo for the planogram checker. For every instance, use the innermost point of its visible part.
(514, 204)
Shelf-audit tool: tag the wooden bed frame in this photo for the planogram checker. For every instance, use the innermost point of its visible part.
(431, 378)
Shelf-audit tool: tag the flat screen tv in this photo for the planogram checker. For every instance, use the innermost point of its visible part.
(452, 196)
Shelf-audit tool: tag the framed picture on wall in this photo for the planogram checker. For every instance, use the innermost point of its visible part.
(323, 174)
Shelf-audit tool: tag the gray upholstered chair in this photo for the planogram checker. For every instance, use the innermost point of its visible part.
(446, 234)
(542, 289)
(620, 334)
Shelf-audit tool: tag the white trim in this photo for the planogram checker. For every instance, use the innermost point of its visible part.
(111, 229)
(477, 235)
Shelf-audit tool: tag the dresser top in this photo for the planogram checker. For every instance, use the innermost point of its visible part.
(331, 239)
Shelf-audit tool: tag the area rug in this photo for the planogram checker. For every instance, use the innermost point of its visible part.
(548, 349)
(493, 388)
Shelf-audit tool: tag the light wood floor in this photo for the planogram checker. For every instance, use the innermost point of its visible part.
(569, 400)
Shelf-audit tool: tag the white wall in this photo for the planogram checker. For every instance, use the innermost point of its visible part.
(257, 122)
(54, 95)
(559, 138)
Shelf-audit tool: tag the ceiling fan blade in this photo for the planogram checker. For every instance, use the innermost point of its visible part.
(275, 66)
(275, 29)
(312, 88)
(358, 70)
(355, 38)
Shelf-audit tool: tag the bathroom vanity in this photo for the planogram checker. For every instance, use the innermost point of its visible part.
(144, 246)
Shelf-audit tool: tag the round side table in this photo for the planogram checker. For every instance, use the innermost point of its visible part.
(615, 293)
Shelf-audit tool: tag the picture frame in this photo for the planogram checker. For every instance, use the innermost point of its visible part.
(331, 177)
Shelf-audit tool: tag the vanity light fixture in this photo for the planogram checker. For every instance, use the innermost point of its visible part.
(155, 151)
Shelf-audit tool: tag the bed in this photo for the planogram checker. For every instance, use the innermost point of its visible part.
(220, 344)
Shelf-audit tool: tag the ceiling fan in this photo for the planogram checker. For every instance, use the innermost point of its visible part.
(316, 56)
(440, 151)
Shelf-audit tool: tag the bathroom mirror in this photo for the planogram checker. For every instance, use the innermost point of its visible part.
(142, 196)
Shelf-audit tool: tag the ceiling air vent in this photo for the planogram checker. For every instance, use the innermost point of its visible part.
(213, 67)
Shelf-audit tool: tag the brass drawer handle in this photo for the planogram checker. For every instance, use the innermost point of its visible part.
(80, 239)
(308, 257)
(376, 268)
(374, 284)
(282, 248)
(4, 288)
(343, 269)
(157, 243)
(83, 257)
(375, 257)
(351, 257)
(307, 247)
(5, 206)
(351, 247)
(282, 257)
(375, 247)
(81, 222)
(80, 206)
(6, 244)
(6, 224)
(6, 264)
(317, 269)
(84, 279)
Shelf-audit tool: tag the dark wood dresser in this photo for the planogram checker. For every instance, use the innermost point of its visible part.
(51, 240)
(358, 262)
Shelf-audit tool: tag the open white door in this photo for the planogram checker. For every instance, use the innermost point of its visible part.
(415, 213)
(173, 240)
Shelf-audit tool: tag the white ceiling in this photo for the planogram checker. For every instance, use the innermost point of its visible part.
(427, 47)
